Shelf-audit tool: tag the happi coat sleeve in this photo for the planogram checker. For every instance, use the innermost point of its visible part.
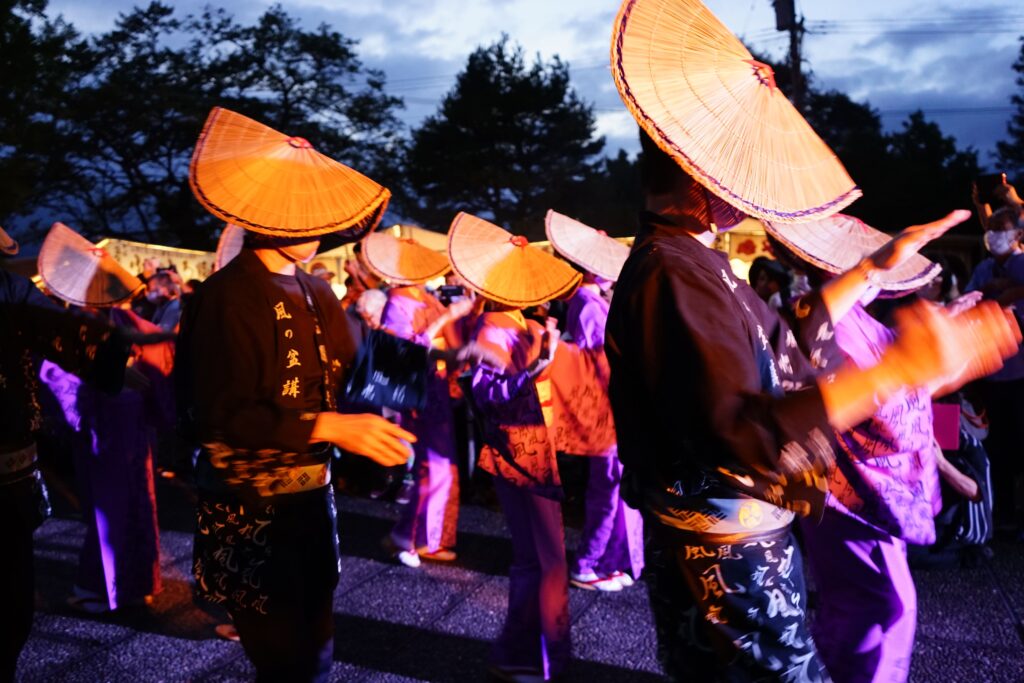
(711, 387)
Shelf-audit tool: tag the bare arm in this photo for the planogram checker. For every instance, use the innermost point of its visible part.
(957, 480)
(841, 293)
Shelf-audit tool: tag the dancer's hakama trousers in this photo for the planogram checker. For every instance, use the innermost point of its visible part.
(612, 539)
(536, 631)
(865, 625)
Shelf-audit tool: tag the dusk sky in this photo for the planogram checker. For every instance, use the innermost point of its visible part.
(952, 59)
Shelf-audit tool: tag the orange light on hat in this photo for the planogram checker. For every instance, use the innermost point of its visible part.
(251, 175)
(506, 268)
(402, 260)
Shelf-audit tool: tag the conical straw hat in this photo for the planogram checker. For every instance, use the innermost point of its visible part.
(586, 247)
(7, 245)
(837, 243)
(402, 260)
(265, 181)
(232, 238)
(701, 96)
(504, 267)
(79, 272)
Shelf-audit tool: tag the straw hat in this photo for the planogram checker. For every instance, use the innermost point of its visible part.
(8, 246)
(79, 272)
(504, 267)
(701, 96)
(402, 260)
(265, 181)
(837, 243)
(588, 248)
(232, 239)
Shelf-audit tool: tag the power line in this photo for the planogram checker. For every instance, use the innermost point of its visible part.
(946, 111)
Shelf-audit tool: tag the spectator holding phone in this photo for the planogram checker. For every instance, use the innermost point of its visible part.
(1000, 277)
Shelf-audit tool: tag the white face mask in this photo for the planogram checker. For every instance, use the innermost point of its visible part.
(1000, 242)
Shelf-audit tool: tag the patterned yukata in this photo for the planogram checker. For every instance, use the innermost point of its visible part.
(431, 516)
(519, 454)
(31, 327)
(883, 494)
(721, 445)
(612, 536)
(259, 356)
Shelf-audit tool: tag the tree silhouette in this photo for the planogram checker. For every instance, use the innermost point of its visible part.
(509, 142)
(1011, 151)
(38, 63)
(130, 120)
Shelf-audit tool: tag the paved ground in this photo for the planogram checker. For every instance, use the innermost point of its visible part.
(435, 624)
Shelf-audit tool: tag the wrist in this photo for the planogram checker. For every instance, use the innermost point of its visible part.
(868, 271)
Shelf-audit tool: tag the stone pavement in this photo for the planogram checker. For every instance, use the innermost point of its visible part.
(435, 623)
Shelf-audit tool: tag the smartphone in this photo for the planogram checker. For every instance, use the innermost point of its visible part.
(987, 184)
(449, 293)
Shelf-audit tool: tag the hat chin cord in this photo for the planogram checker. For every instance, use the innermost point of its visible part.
(291, 259)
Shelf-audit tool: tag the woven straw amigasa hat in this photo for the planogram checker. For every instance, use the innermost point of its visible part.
(79, 272)
(837, 243)
(402, 260)
(232, 239)
(701, 96)
(259, 179)
(588, 248)
(504, 267)
(7, 245)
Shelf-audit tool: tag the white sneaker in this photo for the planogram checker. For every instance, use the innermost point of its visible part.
(592, 582)
(409, 558)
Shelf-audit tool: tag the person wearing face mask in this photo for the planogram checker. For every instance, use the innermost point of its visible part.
(1000, 277)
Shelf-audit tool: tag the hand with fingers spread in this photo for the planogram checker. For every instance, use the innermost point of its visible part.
(964, 302)
(841, 293)
(370, 436)
(911, 240)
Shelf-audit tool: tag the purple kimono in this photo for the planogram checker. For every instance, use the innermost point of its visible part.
(889, 478)
(518, 452)
(112, 448)
(883, 493)
(612, 539)
(430, 518)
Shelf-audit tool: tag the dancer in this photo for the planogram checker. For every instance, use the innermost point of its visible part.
(534, 643)
(610, 552)
(884, 492)
(264, 352)
(31, 325)
(724, 429)
(427, 523)
(113, 436)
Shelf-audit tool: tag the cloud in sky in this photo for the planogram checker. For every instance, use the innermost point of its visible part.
(899, 55)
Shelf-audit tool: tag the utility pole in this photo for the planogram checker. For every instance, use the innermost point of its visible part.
(786, 20)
